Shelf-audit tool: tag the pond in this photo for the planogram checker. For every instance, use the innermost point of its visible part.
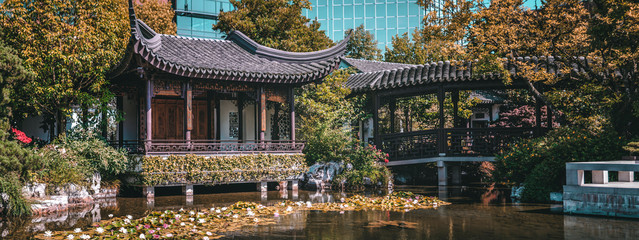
(477, 212)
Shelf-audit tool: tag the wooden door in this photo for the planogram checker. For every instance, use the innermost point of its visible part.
(200, 115)
(168, 119)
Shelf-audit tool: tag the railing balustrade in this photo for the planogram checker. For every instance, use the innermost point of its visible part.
(458, 142)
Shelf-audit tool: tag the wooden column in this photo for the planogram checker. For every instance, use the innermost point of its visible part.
(441, 95)
(209, 119)
(392, 107)
(120, 106)
(240, 118)
(261, 114)
(291, 103)
(455, 99)
(149, 115)
(218, 135)
(188, 111)
(376, 137)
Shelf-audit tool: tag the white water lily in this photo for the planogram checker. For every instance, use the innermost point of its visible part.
(70, 236)
(191, 212)
(48, 233)
(255, 219)
(289, 209)
(169, 235)
(84, 236)
(123, 230)
(309, 205)
(342, 199)
(276, 214)
(224, 209)
(236, 216)
(218, 211)
(110, 215)
(77, 230)
(205, 238)
(99, 230)
(209, 233)
(142, 236)
(250, 214)
(415, 201)
(182, 224)
(201, 220)
(127, 221)
(181, 209)
(129, 217)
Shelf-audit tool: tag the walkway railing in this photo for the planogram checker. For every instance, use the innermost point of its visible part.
(456, 142)
(165, 147)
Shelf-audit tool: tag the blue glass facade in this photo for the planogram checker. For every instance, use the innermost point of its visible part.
(195, 18)
(383, 18)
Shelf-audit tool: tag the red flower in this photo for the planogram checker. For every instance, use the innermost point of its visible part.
(386, 160)
(20, 136)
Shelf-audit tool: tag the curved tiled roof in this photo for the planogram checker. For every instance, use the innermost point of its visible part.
(238, 58)
(443, 72)
(373, 66)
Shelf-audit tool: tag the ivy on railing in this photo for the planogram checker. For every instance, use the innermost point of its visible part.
(189, 169)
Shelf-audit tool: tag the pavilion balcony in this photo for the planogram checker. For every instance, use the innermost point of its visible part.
(210, 147)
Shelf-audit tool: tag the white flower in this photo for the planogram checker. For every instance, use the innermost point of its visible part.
(192, 219)
(276, 214)
(127, 221)
(205, 238)
(181, 209)
(142, 236)
(169, 235)
(182, 224)
(123, 230)
(309, 205)
(77, 230)
(224, 209)
(235, 216)
(129, 217)
(212, 209)
(99, 230)
(217, 211)
(341, 212)
(209, 233)
(250, 213)
(342, 199)
(191, 212)
(255, 219)
(289, 208)
(178, 216)
(415, 201)
(201, 220)
(70, 236)
(110, 215)
(84, 236)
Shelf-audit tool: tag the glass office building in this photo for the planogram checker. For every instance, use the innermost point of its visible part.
(383, 18)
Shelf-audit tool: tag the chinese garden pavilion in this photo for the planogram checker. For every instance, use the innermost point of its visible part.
(190, 95)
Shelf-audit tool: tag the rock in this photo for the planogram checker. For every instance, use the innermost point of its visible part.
(367, 181)
(556, 197)
(515, 193)
(320, 175)
(34, 190)
(95, 183)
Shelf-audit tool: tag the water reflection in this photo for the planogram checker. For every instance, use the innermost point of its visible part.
(478, 212)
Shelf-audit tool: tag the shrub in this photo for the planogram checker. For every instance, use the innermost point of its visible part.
(324, 143)
(366, 163)
(95, 154)
(540, 163)
(16, 163)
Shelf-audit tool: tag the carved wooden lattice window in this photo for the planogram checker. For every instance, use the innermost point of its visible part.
(234, 125)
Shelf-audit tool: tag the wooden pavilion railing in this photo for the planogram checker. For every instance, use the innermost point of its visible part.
(456, 142)
(165, 147)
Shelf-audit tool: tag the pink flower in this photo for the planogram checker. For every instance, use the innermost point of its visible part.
(386, 160)
(147, 226)
(165, 226)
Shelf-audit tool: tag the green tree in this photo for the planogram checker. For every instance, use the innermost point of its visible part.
(70, 45)
(12, 75)
(158, 14)
(362, 45)
(277, 24)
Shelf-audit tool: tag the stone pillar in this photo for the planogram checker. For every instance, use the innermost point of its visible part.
(442, 193)
(599, 176)
(294, 185)
(262, 186)
(187, 190)
(189, 200)
(626, 176)
(149, 191)
(442, 174)
(456, 174)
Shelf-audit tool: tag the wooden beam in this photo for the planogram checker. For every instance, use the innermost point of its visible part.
(240, 116)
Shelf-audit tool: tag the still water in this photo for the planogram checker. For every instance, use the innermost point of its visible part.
(477, 212)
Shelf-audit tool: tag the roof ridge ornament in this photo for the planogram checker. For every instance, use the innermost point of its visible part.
(277, 55)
